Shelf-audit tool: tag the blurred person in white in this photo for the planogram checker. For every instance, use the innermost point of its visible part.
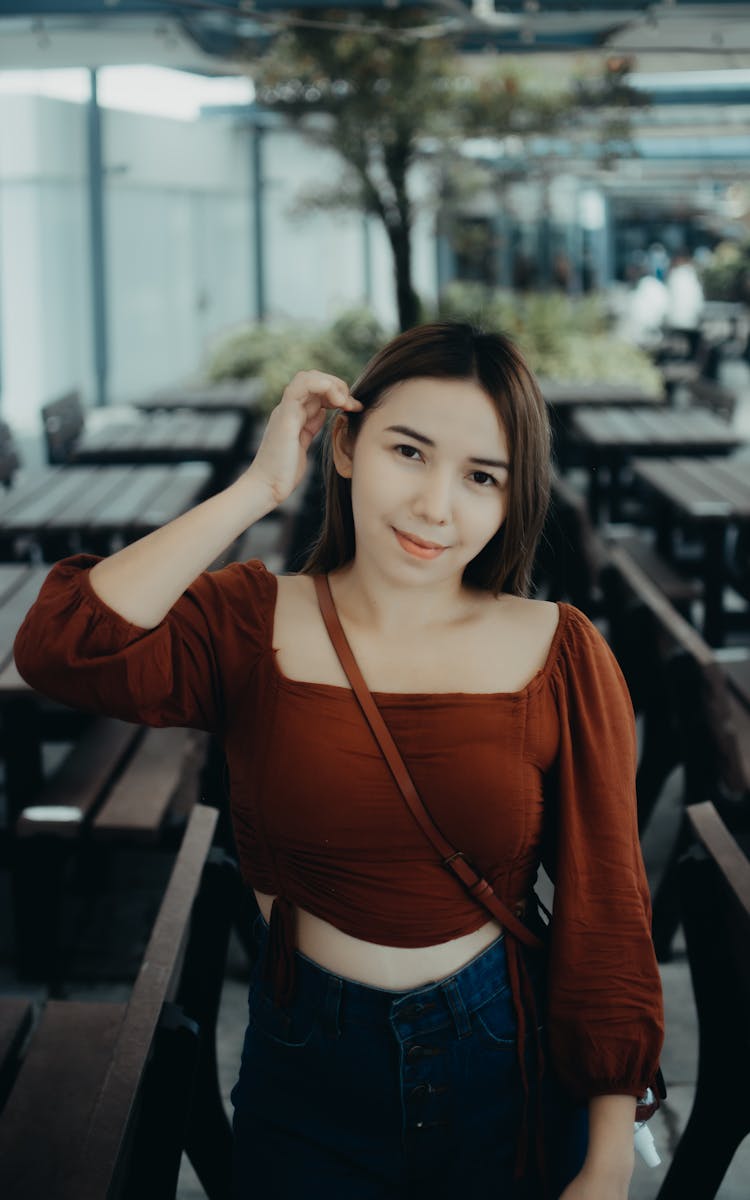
(646, 307)
(686, 300)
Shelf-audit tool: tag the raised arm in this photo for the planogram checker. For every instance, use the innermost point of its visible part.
(148, 634)
(142, 581)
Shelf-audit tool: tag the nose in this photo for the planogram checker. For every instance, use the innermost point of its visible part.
(433, 502)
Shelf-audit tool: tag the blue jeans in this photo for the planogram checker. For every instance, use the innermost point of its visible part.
(358, 1093)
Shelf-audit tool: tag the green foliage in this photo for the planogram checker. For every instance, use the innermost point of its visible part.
(563, 337)
(275, 354)
(384, 89)
(727, 276)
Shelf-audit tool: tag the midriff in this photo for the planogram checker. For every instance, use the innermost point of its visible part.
(390, 967)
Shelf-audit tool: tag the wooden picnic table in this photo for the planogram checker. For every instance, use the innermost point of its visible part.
(62, 510)
(562, 393)
(712, 495)
(226, 395)
(564, 397)
(165, 437)
(737, 671)
(609, 437)
(20, 706)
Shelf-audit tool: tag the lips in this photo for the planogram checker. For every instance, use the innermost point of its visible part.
(417, 549)
(420, 541)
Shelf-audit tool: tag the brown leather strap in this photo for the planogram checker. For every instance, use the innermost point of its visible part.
(453, 859)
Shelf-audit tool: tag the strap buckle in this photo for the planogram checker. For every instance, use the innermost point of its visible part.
(460, 854)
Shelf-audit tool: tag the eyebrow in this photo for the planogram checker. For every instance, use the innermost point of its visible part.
(420, 437)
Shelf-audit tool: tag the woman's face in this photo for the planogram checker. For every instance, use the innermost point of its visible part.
(431, 460)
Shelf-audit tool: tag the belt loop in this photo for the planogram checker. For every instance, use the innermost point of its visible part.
(455, 1002)
(332, 1007)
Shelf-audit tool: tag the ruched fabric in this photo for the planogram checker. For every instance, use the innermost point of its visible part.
(545, 774)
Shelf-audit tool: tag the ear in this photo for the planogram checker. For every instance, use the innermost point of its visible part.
(342, 445)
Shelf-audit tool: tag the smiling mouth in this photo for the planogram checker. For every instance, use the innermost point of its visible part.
(418, 548)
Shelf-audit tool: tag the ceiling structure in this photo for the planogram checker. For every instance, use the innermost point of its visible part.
(695, 130)
(208, 35)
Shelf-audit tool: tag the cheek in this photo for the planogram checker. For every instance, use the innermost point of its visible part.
(497, 519)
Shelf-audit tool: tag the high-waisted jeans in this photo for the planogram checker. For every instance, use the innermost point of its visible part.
(359, 1093)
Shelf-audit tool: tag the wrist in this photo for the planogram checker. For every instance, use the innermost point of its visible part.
(255, 494)
(615, 1169)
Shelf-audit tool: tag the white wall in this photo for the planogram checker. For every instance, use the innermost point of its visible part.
(179, 247)
(179, 244)
(44, 259)
(316, 264)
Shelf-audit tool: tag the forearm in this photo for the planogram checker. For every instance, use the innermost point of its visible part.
(611, 1147)
(145, 579)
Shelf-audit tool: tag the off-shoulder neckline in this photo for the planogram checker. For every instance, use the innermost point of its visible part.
(335, 689)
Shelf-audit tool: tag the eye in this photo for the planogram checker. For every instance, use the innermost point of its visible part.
(491, 478)
(404, 446)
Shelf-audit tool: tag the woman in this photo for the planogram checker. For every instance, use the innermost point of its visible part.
(388, 1051)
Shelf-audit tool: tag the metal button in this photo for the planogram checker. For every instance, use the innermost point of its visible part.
(420, 1051)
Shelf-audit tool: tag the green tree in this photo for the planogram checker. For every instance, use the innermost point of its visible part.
(388, 90)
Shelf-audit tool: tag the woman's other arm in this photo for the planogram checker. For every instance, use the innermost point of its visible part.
(144, 580)
(610, 1158)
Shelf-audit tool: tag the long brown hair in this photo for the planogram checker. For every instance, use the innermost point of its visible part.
(456, 350)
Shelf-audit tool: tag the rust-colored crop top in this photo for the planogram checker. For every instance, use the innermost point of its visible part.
(320, 822)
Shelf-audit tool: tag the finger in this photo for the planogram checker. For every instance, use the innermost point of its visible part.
(314, 424)
(311, 388)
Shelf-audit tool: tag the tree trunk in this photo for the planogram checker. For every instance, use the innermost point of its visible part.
(406, 298)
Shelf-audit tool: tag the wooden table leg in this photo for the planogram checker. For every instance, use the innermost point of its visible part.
(22, 751)
(713, 582)
(594, 465)
(615, 466)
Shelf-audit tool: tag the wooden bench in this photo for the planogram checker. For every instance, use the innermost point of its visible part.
(690, 716)
(714, 883)
(63, 421)
(575, 554)
(10, 460)
(120, 783)
(707, 393)
(120, 1089)
(16, 1019)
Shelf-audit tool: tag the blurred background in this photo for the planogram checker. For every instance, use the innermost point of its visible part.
(197, 200)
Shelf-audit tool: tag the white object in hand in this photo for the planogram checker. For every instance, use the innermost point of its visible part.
(644, 1144)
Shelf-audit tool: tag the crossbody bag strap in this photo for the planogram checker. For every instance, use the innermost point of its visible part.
(451, 858)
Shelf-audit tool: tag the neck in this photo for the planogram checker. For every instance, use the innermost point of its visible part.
(367, 598)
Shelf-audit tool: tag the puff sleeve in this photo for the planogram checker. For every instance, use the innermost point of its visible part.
(605, 1012)
(77, 650)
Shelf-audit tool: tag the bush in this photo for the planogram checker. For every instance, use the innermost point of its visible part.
(275, 354)
(727, 275)
(563, 337)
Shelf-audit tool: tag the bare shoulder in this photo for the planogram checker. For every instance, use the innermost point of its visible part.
(536, 614)
(529, 625)
(296, 603)
(293, 594)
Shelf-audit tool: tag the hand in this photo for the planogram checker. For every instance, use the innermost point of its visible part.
(281, 459)
(594, 1184)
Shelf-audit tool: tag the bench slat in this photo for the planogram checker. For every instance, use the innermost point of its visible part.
(140, 799)
(52, 1102)
(657, 602)
(79, 783)
(156, 983)
(16, 1016)
(734, 865)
